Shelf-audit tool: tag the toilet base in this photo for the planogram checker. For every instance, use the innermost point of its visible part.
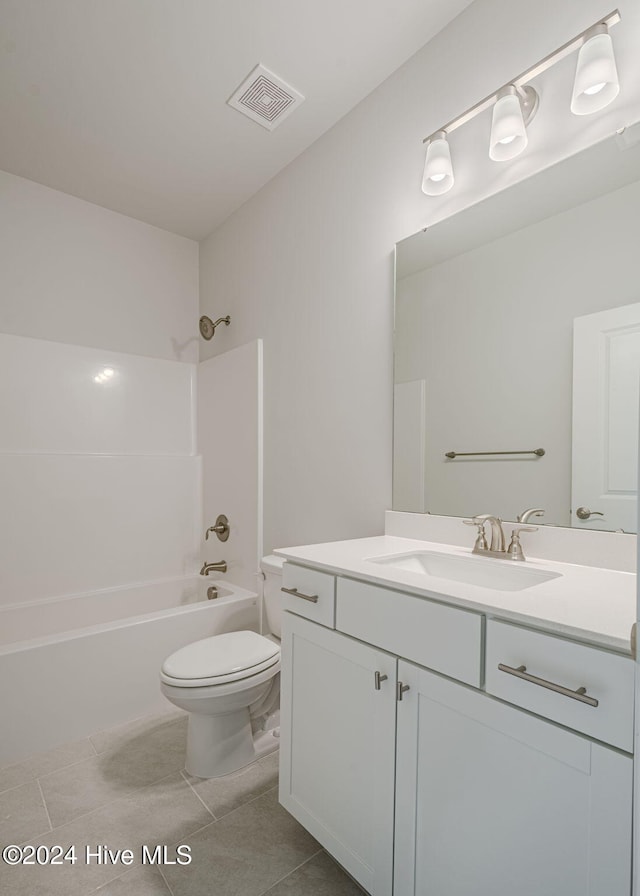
(218, 745)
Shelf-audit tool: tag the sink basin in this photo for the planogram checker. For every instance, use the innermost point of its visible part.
(501, 575)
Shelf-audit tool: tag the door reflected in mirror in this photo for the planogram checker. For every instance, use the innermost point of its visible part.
(518, 329)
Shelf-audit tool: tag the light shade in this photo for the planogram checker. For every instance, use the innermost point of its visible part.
(438, 170)
(508, 130)
(596, 83)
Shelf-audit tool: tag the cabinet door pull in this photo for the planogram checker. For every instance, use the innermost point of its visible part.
(401, 689)
(521, 672)
(312, 597)
(379, 679)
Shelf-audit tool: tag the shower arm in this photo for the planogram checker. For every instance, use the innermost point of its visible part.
(208, 327)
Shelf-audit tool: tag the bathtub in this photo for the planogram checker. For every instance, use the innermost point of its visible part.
(71, 666)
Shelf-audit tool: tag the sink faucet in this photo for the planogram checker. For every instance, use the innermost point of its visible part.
(220, 566)
(496, 548)
(533, 511)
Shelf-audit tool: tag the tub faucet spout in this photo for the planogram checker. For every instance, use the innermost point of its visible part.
(220, 566)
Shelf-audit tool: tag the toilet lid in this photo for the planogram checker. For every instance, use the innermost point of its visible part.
(235, 654)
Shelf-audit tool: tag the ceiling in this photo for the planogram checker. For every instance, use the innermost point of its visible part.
(123, 102)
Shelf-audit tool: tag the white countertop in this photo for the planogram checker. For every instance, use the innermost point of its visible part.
(590, 604)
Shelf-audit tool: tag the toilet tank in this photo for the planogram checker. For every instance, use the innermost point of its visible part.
(272, 568)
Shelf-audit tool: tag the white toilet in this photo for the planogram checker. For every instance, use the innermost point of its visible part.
(230, 686)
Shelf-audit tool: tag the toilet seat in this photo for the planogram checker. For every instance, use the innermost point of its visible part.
(220, 660)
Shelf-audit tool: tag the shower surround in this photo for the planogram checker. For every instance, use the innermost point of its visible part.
(101, 489)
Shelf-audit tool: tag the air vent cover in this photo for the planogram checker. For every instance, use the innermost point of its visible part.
(265, 98)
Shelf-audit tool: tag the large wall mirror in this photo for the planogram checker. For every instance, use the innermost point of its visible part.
(518, 330)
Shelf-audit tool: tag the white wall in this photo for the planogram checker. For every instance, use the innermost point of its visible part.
(100, 482)
(307, 264)
(76, 273)
(491, 333)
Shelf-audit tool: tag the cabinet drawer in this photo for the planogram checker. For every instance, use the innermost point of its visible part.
(314, 593)
(606, 678)
(442, 638)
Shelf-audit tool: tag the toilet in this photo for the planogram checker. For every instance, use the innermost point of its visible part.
(230, 686)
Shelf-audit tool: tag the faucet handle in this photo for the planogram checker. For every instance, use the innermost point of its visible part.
(514, 551)
(221, 528)
(481, 540)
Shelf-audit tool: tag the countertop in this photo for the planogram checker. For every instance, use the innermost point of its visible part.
(589, 604)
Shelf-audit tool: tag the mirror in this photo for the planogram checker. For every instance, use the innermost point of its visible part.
(518, 330)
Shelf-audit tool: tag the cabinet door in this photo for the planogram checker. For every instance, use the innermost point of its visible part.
(493, 800)
(338, 747)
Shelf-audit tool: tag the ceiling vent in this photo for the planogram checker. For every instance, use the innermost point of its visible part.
(265, 98)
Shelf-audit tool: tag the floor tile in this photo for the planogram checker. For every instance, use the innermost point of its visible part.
(121, 768)
(138, 882)
(45, 763)
(222, 795)
(167, 812)
(243, 854)
(22, 814)
(130, 732)
(271, 761)
(320, 876)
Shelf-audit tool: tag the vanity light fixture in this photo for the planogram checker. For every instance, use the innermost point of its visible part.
(596, 83)
(514, 104)
(438, 170)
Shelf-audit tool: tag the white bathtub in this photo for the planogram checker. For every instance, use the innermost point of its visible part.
(71, 666)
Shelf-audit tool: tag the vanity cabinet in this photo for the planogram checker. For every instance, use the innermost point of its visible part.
(607, 679)
(397, 757)
(493, 800)
(337, 756)
(309, 593)
(431, 634)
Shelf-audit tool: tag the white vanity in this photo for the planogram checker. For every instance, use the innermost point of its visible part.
(464, 726)
(450, 738)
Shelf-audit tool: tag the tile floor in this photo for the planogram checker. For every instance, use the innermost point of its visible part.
(125, 788)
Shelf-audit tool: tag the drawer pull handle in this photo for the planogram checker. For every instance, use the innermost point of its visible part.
(312, 597)
(521, 672)
(379, 679)
(401, 689)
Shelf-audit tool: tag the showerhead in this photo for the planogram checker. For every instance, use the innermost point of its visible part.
(208, 327)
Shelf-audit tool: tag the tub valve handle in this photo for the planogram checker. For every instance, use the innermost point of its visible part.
(221, 528)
